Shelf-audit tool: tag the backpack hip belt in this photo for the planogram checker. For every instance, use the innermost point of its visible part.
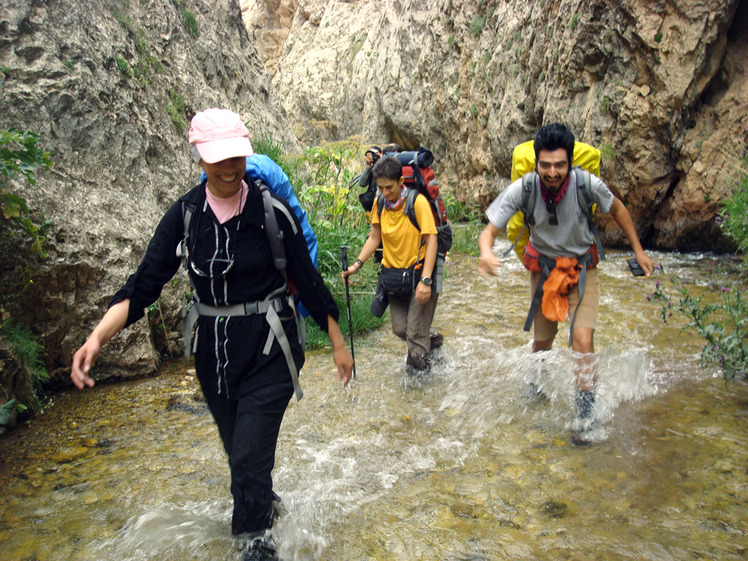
(246, 309)
(270, 307)
(545, 265)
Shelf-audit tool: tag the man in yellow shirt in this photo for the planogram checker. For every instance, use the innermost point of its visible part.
(408, 260)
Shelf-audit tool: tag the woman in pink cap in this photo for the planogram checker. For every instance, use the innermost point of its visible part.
(247, 348)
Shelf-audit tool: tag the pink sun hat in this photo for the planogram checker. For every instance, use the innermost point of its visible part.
(219, 134)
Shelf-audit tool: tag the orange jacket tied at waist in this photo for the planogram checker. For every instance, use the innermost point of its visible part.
(556, 288)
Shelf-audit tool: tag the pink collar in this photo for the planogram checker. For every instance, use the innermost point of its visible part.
(226, 209)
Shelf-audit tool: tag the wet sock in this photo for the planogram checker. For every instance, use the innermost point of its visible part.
(583, 403)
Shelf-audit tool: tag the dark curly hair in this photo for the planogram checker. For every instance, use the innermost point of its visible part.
(552, 137)
(388, 168)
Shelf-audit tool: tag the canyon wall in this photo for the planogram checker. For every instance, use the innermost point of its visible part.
(659, 86)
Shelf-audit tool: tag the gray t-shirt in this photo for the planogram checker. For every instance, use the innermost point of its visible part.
(572, 236)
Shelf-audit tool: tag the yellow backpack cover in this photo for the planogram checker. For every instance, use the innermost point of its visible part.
(523, 161)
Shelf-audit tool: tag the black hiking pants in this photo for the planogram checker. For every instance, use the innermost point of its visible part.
(249, 427)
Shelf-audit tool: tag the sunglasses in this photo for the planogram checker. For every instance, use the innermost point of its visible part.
(551, 208)
(224, 266)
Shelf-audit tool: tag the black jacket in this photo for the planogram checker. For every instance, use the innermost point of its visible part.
(240, 248)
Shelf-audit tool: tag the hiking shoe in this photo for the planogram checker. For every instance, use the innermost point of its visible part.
(583, 437)
(261, 550)
(437, 339)
(279, 508)
(534, 394)
(415, 365)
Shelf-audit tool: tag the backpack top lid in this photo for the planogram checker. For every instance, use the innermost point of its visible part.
(423, 157)
(523, 158)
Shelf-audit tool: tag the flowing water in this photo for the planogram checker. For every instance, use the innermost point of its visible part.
(458, 465)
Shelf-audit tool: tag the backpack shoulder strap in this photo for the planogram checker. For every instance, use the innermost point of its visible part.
(188, 209)
(380, 205)
(410, 207)
(274, 233)
(583, 189)
(527, 206)
(529, 195)
(586, 203)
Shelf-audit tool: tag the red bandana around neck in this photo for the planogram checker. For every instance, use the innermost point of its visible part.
(555, 198)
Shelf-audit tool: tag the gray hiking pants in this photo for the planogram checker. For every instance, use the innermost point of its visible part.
(411, 321)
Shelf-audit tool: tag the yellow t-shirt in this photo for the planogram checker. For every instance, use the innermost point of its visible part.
(400, 239)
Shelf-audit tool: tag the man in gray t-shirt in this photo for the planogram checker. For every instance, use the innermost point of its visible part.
(561, 230)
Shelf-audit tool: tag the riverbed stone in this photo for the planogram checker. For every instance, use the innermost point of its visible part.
(68, 455)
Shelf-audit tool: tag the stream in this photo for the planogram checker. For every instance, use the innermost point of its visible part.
(458, 465)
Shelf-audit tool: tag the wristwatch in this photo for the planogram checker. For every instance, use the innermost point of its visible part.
(426, 281)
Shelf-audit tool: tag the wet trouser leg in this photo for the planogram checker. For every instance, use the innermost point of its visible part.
(412, 321)
(249, 430)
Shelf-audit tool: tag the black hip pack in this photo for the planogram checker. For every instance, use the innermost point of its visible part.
(400, 283)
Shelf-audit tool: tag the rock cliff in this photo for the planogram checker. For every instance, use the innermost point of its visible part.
(110, 87)
(659, 86)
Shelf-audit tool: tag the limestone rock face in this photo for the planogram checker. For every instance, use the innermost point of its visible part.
(110, 87)
(660, 87)
(269, 23)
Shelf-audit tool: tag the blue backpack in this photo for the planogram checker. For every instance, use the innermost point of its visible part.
(263, 168)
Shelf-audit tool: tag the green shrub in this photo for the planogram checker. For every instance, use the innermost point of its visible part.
(476, 26)
(19, 153)
(323, 178)
(458, 211)
(605, 105)
(124, 67)
(190, 23)
(723, 324)
(607, 152)
(28, 351)
(465, 240)
(175, 109)
(733, 217)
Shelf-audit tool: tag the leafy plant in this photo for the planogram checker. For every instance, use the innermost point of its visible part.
(19, 153)
(189, 19)
(605, 105)
(7, 409)
(607, 152)
(723, 325)
(124, 67)
(28, 351)
(476, 26)
(465, 240)
(458, 211)
(723, 321)
(733, 218)
(175, 109)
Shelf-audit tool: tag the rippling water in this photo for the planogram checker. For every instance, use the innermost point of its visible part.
(457, 466)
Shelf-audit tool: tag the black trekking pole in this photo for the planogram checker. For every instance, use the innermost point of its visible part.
(344, 261)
